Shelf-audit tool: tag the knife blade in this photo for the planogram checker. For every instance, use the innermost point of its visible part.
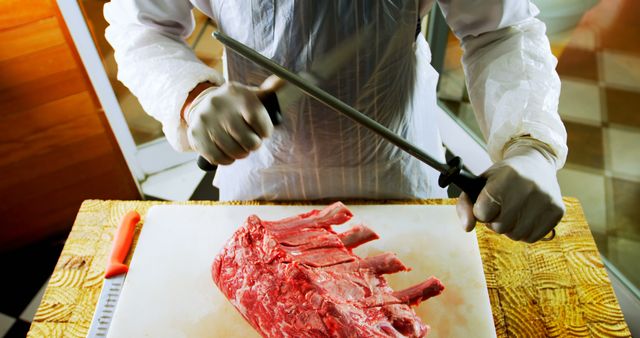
(115, 275)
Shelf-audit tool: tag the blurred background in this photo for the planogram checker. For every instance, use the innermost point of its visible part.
(69, 131)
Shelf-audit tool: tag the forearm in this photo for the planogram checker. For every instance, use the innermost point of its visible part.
(155, 63)
(514, 88)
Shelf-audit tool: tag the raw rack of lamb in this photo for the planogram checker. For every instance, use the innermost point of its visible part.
(296, 277)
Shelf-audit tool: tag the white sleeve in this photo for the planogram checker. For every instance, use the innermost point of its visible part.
(510, 72)
(153, 60)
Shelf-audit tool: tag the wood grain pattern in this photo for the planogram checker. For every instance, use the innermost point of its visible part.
(15, 13)
(56, 147)
(547, 289)
(42, 34)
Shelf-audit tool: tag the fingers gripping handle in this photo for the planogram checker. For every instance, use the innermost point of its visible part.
(205, 165)
(271, 104)
(472, 185)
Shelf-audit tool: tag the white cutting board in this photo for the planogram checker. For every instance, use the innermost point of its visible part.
(169, 291)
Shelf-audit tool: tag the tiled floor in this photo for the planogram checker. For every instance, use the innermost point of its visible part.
(590, 187)
(6, 322)
(587, 110)
(599, 65)
(25, 272)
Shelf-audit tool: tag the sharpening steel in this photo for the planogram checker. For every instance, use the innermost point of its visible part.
(451, 172)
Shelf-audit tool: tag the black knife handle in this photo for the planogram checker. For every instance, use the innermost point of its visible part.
(271, 104)
(472, 185)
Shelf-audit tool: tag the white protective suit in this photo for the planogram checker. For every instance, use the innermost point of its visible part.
(317, 153)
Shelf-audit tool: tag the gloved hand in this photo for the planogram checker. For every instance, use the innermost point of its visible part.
(522, 198)
(226, 123)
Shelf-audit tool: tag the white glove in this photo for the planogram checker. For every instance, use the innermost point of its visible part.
(522, 198)
(226, 123)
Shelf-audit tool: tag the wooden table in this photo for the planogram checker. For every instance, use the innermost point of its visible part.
(548, 289)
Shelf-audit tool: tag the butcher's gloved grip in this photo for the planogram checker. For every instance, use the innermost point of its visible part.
(522, 197)
(271, 104)
(472, 185)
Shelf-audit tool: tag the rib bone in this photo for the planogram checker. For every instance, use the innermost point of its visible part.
(357, 236)
(418, 293)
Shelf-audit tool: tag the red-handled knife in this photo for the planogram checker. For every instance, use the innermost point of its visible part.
(114, 276)
(121, 245)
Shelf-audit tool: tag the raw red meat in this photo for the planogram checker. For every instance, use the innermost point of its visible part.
(298, 278)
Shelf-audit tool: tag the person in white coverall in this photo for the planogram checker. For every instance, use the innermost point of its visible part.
(318, 154)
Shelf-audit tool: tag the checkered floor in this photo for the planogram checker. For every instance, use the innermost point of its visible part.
(599, 66)
(25, 274)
